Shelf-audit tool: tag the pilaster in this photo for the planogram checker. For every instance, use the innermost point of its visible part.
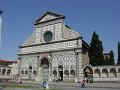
(19, 64)
(79, 72)
(38, 68)
(50, 67)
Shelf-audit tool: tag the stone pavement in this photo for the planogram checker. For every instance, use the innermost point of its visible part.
(107, 85)
(74, 86)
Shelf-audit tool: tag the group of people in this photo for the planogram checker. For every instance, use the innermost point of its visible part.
(83, 81)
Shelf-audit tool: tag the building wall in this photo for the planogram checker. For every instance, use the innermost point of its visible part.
(85, 56)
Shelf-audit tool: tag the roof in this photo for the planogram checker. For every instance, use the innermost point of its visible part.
(85, 44)
(106, 53)
(50, 13)
(7, 61)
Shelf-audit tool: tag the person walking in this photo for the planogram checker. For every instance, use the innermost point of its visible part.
(82, 83)
(44, 85)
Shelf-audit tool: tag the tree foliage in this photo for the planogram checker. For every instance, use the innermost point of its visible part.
(118, 53)
(96, 51)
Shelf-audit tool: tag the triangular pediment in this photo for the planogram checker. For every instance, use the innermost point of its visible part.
(49, 16)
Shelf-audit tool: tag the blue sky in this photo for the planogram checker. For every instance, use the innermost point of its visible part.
(84, 16)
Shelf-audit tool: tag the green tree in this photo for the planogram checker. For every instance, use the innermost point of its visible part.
(111, 58)
(96, 51)
(118, 53)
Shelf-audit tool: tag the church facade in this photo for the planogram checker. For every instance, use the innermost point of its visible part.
(52, 51)
(55, 51)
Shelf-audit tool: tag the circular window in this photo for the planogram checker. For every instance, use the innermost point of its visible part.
(48, 36)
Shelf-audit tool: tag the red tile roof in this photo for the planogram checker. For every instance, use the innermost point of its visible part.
(6, 61)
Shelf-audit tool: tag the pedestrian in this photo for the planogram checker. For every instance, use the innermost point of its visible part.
(44, 84)
(56, 79)
(20, 81)
(47, 86)
(76, 81)
(59, 79)
(83, 83)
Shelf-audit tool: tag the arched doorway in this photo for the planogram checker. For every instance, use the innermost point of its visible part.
(88, 73)
(55, 73)
(60, 69)
(45, 69)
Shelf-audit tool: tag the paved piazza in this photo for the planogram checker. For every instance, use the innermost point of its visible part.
(76, 86)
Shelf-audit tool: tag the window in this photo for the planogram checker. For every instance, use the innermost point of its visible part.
(8, 71)
(22, 72)
(48, 36)
(3, 71)
(34, 72)
(26, 72)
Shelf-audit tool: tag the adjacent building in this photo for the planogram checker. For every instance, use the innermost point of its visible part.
(8, 69)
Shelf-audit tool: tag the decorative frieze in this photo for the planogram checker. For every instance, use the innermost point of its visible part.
(49, 47)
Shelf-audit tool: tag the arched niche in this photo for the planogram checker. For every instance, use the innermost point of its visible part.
(22, 72)
(105, 73)
(97, 73)
(26, 72)
(119, 72)
(72, 73)
(34, 72)
(66, 72)
(8, 71)
(55, 74)
(3, 71)
(113, 73)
